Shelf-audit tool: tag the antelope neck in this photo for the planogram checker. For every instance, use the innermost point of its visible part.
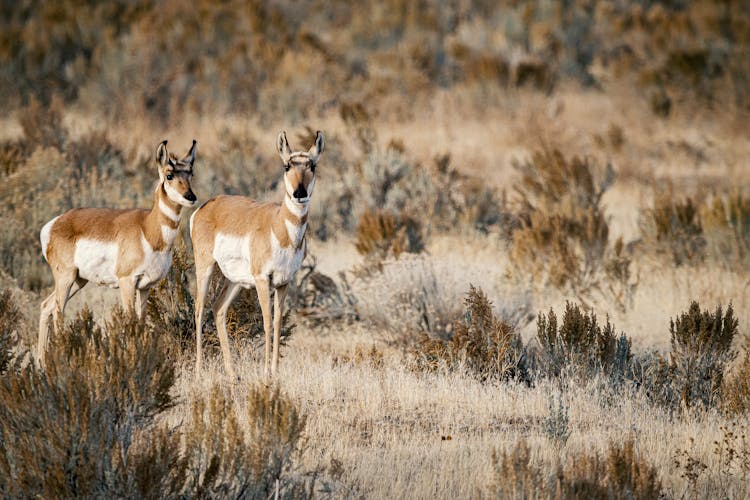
(165, 212)
(293, 211)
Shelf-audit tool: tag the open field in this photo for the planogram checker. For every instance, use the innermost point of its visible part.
(517, 207)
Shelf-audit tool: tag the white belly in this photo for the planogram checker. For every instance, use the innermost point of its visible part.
(96, 260)
(232, 254)
(154, 267)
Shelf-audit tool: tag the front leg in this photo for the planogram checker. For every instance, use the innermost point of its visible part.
(278, 309)
(262, 286)
(127, 293)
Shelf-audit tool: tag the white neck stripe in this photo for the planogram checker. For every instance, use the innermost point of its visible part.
(168, 212)
(298, 209)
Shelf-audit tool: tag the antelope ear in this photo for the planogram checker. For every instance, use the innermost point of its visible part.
(190, 156)
(282, 145)
(318, 147)
(162, 156)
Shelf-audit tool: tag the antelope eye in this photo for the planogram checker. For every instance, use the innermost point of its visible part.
(170, 177)
(286, 168)
(312, 168)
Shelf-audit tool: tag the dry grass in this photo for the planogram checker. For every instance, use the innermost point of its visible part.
(594, 155)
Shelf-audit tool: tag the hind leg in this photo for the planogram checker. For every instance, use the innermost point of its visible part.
(66, 285)
(223, 301)
(203, 272)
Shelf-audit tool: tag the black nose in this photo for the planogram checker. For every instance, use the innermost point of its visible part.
(190, 196)
(300, 192)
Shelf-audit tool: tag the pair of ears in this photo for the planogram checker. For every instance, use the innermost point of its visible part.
(162, 155)
(285, 152)
(282, 144)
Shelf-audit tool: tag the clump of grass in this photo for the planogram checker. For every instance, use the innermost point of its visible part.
(619, 474)
(485, 345)
(580, 346)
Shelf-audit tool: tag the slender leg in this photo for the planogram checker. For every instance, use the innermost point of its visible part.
(141, 297)
(223, 301)
(264, 297)
(127, 293)
(202, 280)
(54, 305)
(278, 309)
(46, 310)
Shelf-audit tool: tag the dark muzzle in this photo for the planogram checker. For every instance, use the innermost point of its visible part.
(300, 192)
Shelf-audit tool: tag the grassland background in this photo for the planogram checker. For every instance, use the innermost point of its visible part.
(658, 90)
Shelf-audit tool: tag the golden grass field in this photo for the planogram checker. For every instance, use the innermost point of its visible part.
(505, 215)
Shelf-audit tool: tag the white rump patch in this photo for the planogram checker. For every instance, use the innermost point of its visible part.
(232, 253)
(96, 260)
(168, 212)
(44, 235)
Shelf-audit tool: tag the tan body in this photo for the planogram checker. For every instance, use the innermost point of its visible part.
(254, 244)
(126, 249)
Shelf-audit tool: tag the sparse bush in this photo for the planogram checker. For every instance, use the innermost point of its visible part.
(170, 307)
(580, 345)
(701, 349)
(673, 227)
(84, 426)
(170, 310)
(72, 429)
(563, 235)
(735, 393)
(224, 459)
(382, 234)
(726, 228)
(42, 125)
(317, 298)
(557, 422)
(486, 346)
(10, 322)
(727, 476)
(620, 474)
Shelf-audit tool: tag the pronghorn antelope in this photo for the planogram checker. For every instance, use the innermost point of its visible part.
(130, 249)
(255, 244)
